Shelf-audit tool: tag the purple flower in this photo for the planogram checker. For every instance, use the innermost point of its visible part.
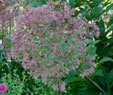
(46, 38)
(3, 88)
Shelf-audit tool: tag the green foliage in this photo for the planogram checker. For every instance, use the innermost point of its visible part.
(105, 59)
(19, 82)
(36, 3)
(96, 12)
(99, 11)
(96, 2)
(105, 79)
(73, 77)
(99, 73)
(14, 84)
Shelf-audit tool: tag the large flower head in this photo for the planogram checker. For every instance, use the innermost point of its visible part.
(50, 42)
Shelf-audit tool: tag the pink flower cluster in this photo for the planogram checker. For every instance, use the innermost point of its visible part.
(49, 42)
(3, 88)
(7, 19)
(7, 15)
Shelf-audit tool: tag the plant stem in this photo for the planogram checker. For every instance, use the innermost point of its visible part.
(93, 82)
(58, 88)
(96, 85)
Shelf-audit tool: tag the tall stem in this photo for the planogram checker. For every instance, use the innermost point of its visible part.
(96, 85)
(58, 88)
(92, 81)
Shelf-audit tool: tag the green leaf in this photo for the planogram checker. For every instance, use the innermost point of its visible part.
(63, 0)
(35, 3)
(88, 48)
(84, 66)
(110, 22)
(64, 60)
(72, 3)
(101, 25)
(91, 42)
(1, 57)
(109, 7)
(110, 41)
(109, 29)
(111, 75)
(104, 51)
(74, 72)
(96, 2)
(73, 79)
(92, 51)
(89, 92)
(7, 42)
(96, 12)
(36, 40)
(105, 59)
(43, 1)
(99, 73)
(7, 38)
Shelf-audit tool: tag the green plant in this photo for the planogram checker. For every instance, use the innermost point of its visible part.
(99, 11)
(99, 83)
(19, 82)
(14, 84)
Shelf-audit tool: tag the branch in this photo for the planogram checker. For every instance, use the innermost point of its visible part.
(92, 81)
